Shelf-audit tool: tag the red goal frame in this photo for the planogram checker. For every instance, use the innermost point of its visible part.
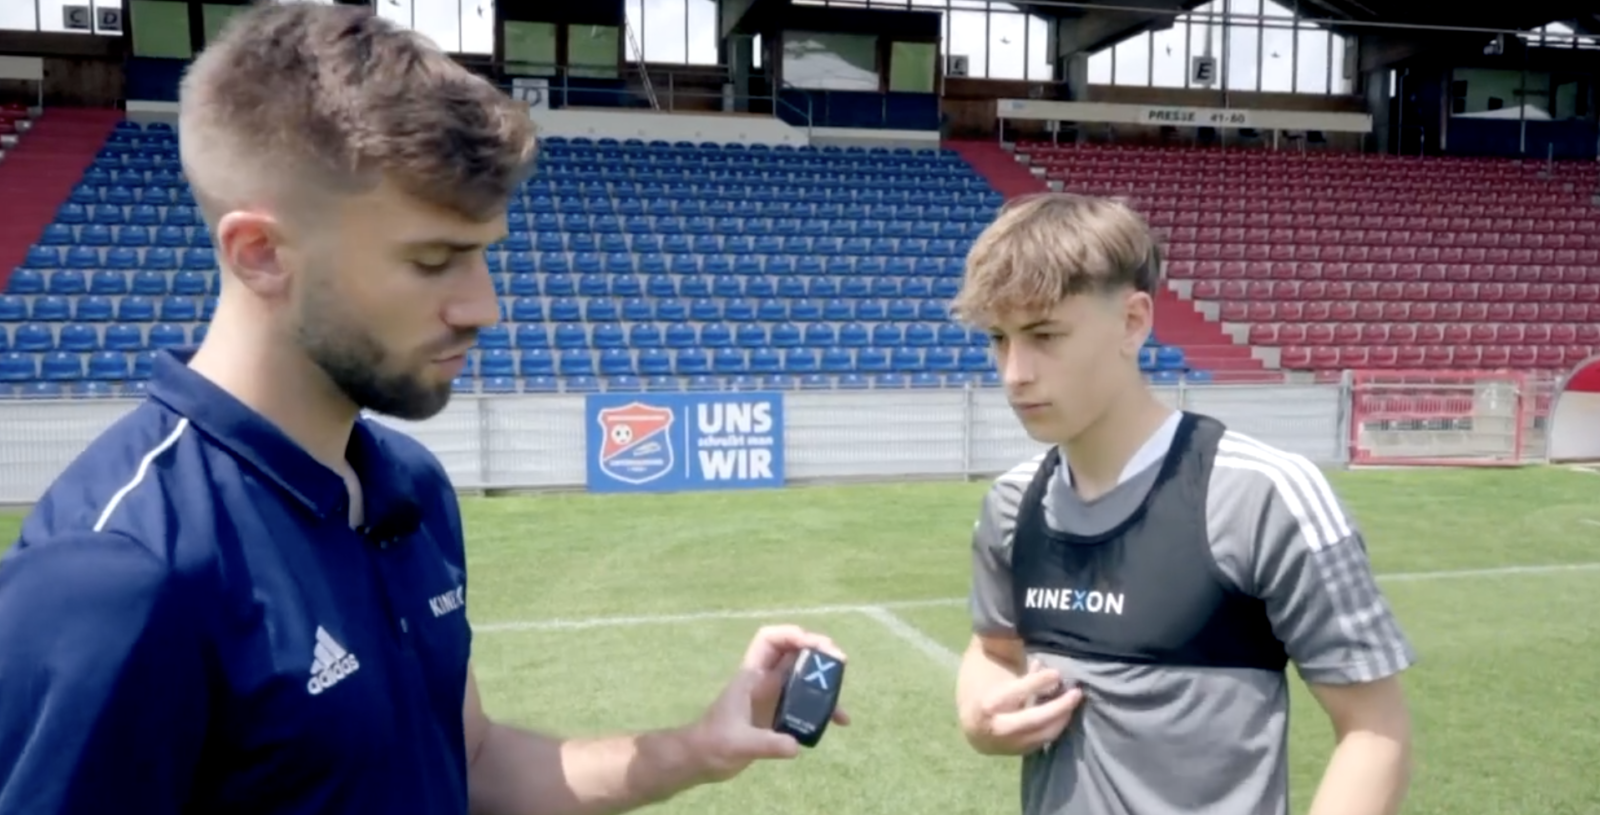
(1440, 418)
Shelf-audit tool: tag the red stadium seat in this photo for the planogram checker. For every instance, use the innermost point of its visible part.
(1431, 262)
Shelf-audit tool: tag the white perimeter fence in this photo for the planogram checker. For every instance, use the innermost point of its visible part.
(538, 441)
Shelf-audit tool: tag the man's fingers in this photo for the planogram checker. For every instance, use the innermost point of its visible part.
(767, 744)
(773, 643)
(1043, 721)
(1016, 694)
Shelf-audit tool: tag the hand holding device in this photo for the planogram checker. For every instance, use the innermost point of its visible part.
(738, 729)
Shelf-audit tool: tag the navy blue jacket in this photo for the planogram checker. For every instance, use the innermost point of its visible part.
(189, 624)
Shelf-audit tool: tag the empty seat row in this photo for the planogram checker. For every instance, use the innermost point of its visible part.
(1479, 272)
(1331, 357)
(1394, 290)
(95, 308)
(712, 309)
(811, 381)
(1335, 187)
(619, 285)
(820, 221)
(71, 336)
(716, 335)
(66, 233)
(1376, 230)
(203, 259)
(552, 253)
(1226, 203)
(1466, 251)
(779, 168)
(756, 234)
(1379, 333)
(59, 366)
(726, 360)
(125, 204)
(728, 286)
(688, 199)
(926, 238)
(110, 282)
(91, 308)
(631, 148)
(743, 167)
(85, 337)
(1212, 209)
(905, 264)
(1400, 311)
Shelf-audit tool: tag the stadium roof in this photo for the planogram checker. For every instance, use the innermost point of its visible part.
(1100, 27)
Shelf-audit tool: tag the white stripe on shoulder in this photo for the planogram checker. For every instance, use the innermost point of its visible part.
(138, 476)
(1313, 485)
(1022, 473)
(1286, 492)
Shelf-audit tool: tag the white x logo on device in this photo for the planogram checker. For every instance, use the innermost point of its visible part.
(820, 675)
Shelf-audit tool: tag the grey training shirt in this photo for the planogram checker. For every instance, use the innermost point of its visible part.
(1155, 740)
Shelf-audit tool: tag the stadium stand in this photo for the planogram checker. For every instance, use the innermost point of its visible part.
(1206, 346)
(630, 265)
(52, 148)
(1325, 261)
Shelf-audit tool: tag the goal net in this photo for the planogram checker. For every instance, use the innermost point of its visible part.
(1440, 418)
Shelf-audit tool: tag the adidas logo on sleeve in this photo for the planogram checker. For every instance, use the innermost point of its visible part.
(330, 663)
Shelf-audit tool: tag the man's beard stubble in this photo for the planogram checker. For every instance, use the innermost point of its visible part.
(358, 365)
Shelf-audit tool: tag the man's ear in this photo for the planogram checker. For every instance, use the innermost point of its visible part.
(1138, 321)
(251, 247)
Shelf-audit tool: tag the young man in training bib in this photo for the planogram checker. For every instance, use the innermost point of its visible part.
(1140, 588)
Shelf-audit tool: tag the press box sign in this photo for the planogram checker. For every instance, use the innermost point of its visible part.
(682, 442)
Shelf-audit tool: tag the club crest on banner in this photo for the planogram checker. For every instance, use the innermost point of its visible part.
(636, 445)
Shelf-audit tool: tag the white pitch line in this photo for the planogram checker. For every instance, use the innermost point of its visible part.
(870, 609)
(657, 619)
(1589, 521)
(914, 636)
(1498, 571)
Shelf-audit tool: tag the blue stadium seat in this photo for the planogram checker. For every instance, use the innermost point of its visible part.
(496, 362)
(123, 337)
(109, 366)
(499, 384)
(16, 366)
(531, 336)
(41, 389)
(61, 366)
(541, 383)
(25, 281)
(143, 364)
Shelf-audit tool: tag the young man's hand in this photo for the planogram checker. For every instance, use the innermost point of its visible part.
(1024, 714)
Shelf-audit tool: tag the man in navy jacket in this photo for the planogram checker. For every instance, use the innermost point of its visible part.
(245, 598)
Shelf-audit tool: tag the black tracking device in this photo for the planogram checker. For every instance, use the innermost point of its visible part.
(809, 696)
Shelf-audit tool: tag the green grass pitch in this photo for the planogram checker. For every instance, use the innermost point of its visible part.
(598, 613)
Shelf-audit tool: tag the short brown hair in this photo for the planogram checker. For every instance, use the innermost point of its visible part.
(1042, 249)
(337, 96)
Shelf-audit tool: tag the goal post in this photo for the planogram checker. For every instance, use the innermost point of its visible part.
(1441, 418)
